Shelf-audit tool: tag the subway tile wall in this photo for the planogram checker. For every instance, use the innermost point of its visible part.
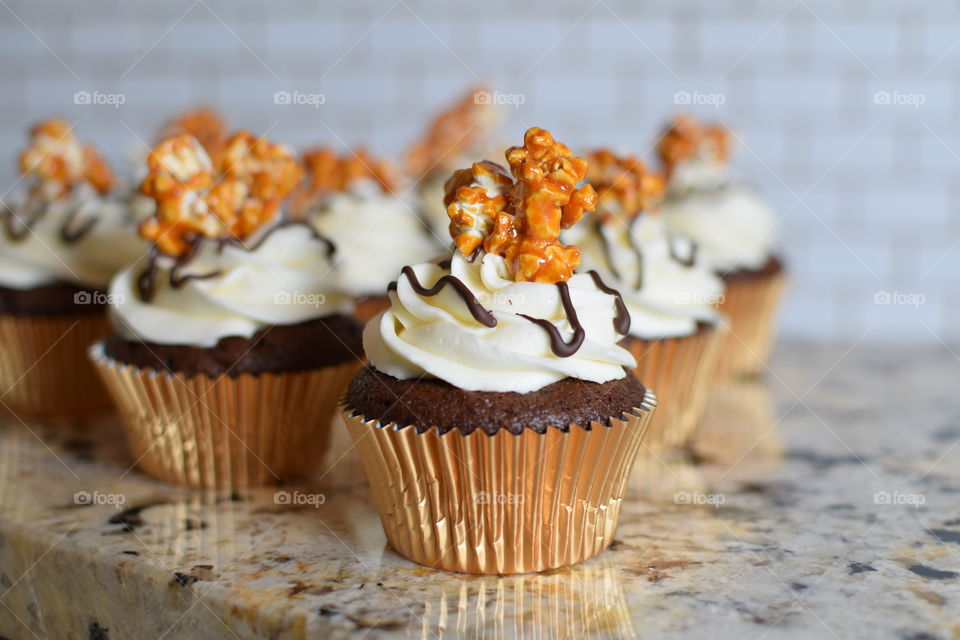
(845, 111)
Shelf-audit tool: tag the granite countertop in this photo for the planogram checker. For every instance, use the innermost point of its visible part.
(823, 503)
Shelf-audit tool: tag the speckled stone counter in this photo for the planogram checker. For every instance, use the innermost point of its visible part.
(823, 503)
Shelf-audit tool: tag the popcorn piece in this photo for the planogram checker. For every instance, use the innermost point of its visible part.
(195, 197)
(58, 163)
(329, 173)
(624, 185)
(475, 197)
(207, 125)
(685, 139)
(523, 223)
(451, 134)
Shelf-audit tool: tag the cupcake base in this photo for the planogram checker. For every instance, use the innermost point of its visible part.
(504, 503)
(750, 305)
(44, 370)
(223, 431)
(682, 370)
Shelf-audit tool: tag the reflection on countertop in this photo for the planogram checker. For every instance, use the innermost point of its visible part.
(820, 501)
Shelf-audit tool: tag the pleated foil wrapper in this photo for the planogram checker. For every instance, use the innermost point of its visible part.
(682, 370)
(225, 432)
(500, 504)
(44, 369)
(750, 306)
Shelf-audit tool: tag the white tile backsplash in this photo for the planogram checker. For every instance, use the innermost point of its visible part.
(798, 81)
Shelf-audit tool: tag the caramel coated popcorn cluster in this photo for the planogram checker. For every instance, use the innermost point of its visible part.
(205, 124)
(329, 173)
(58, 163)
(685, 138)
(197, 196)
(625, 187)
(451, 134)
(521, 220)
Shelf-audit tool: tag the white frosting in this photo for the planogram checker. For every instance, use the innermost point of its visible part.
(287, 280)
(376, 235)
(665, 297)
(430, 196)
(437, 336)
(42, 257)
(732, 226)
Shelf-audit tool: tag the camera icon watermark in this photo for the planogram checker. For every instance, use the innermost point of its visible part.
(915, 500)
(699, 499)
(484, 497)
(88, 498)
(497, 98)
(299, 298)
(899, 298)
(98, 298)
(895, 98)
(687, 98)
(97, 98)
(296, 98)
(299, 499)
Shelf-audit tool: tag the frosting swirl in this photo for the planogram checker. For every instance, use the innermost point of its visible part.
(82, 239)
(376, 234)
(440, 332)
(224, 289)
(732, 226)
(664, 286)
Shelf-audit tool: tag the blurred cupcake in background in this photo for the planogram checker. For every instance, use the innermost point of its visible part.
(734, 230)
(62, 240)
(457, 137)
(354, 201)
(233, 341)
(675, 331)
(496, 421)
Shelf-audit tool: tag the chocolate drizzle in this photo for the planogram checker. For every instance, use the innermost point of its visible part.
(17, 229)
(560, 348)
(479, 314)
(147, 280)
(621, 323)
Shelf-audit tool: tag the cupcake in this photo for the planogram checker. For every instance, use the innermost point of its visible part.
(675, 332)
(355, 201)
(497, 420)
(232, 343)
(457, 137)
(734, 232)
(63, 237)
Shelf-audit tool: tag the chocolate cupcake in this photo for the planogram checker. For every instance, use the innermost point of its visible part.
(357, 202)
(675, 332)
(734, 232)
(233, 341)
(61, 241)
(497, 421)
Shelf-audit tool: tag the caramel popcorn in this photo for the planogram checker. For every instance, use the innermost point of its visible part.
(451, 133)
(624, 185)
(522, 221)
(58, 162)
(685, 138)
(196, 197)
(329, 173)
(207, 125)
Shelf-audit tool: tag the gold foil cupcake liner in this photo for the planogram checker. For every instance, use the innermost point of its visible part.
(44, 369)
(750, 305)
(225, 432)
(502, 503)
(682, 371)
